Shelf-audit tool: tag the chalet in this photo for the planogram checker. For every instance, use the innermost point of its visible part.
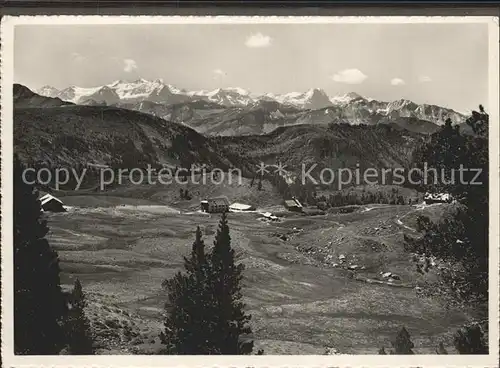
(293, 205)
(240, 207)
(51, 204)
(215, 205)
(430, 198)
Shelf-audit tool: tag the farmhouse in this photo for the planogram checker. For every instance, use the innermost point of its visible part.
(430, 198)
(240, 207)
(215, 205)
(51, 203)
(293, 205)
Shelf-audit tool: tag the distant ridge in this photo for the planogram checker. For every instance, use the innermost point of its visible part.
(157, 91)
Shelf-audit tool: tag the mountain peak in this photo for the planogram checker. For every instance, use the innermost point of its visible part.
(353, 95)
(239, 90)
(117, 82)
(47, 91)
(346, 98)
(141, 80)
(140, 90)
(315, 91)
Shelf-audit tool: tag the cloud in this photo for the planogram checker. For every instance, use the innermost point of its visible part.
(350, 76)
(397, 82)
(129, 65)
(219, 72)
(76, 57)
(258, 40)
(424, 79)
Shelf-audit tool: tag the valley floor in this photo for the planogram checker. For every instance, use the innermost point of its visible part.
(302, 298)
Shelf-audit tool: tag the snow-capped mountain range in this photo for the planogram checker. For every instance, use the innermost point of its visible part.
(125, 92)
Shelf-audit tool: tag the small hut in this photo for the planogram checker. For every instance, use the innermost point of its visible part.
(293, 205)
(431, 198)
(51, 204)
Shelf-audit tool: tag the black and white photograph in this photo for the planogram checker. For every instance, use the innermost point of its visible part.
(250, 186)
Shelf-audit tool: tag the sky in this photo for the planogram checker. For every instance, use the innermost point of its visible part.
(442, 64)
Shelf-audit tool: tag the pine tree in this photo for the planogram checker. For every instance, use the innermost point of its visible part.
(402, 343)
(39, 304)
(225, 279)
(205, 313)
(470, 340)
(189, 325)
(79, 334)
(259, 184)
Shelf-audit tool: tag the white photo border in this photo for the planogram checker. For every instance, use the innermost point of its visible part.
(8, 24)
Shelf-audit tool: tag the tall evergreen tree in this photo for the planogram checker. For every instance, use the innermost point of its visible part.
(189, 325)
(402, 343)
(205, 313)
(79, 334)
(259, 184)
(470, 340)
(39, 304)
(225, 279)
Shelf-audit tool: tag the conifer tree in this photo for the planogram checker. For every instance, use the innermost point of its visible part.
(470, 340)
(402, 343)
(205, 312)
(79, 334)
(225, 279)
(189, 325)
(39, 304)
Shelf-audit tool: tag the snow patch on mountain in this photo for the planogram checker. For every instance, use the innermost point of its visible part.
(355, 106)
(314, 98)
(346, 99)
(48, 91)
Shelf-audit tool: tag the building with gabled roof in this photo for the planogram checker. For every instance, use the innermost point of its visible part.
(293, 205)
(51, 203)
(215, 205)
(430, 198)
